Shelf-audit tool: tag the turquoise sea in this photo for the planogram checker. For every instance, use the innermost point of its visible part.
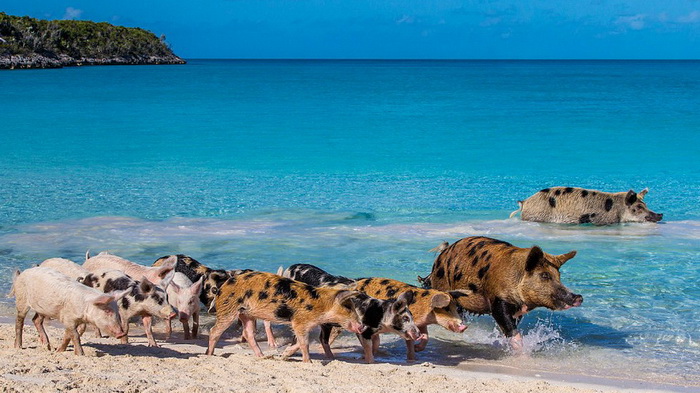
(361, 167)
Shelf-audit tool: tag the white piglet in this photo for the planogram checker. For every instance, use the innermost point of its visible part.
(55, 295)
(67, 267)
(104, 261)
(184, 295)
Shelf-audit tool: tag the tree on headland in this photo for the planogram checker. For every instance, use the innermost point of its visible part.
(77, 39)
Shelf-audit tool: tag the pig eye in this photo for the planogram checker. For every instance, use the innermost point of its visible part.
(215, 290)
(545, 276)
(406, 318)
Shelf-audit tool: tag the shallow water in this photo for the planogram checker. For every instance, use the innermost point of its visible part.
(361, 167)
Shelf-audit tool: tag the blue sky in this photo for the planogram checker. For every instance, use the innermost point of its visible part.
(452, 29)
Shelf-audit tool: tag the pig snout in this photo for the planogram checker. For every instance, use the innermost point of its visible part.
(183, 316)
(413, 334)
(573, 300)
(654, 217)
(357, 327)
(457, 327)
(168, 312)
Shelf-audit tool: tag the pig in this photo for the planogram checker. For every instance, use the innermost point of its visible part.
(569, 205)
(212, 281)
(510, 280)
(105, 261)
(54, 295)
(184, 295)
(380, 316)
(193, 270)
(144, 299)
(428, 306)
(66, 267)
(278, 299)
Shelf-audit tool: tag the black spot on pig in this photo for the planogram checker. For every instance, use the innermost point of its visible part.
(473, 287)
(125, 303)
(284, 312)
(248, 293)
(557, 192)
(118, 284)
(483, 270)
(545, 190)
(568, 190)
(608, 204)
(584, 219)
(158, 299)
(584, 193)
(384, 282)
(390, 292)
(552, 202)
(457, 276)
(440, 273)
(284, 288)
(262, 295)
(309, 307)
(312, 291)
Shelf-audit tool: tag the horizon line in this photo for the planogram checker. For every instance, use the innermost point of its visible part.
(412, 59)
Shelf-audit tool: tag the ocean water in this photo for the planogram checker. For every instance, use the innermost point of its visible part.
(361, 167)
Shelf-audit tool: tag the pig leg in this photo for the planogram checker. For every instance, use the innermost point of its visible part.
(125, 328)
(147, 325)
(270, 335)
(410, 350)
(367, 345)
(423, 340)
(39, 324)
(195, 324)
(66, 340)
(222, 323)
(77, 347)
(249, 329)
(375, 344)
(334, 334)
(302, 342)
(186, 328)
(19, 325)
(324, 337)
(504, 314)
(82, 328)
(168, 328)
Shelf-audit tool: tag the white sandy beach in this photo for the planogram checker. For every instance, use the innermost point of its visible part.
(182, 366)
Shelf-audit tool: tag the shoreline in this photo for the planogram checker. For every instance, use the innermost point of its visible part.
(35, 61)
(180, 364)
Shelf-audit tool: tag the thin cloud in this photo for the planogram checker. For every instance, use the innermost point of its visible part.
(693, 17)
(634, 22)
(72, 13)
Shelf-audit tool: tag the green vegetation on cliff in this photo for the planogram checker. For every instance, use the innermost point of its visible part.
(25, 36)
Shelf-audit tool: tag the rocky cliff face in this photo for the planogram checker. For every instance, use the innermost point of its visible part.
(32, 43)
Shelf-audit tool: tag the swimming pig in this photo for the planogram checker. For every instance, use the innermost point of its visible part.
(55, 295)
(569, 205)
(380, 316)
(270, 297)
(511, 280)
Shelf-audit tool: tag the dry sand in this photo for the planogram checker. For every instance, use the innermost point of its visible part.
(182, 366)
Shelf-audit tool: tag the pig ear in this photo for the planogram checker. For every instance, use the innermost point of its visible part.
(534, 258)
(561, 259)
(630, 198)
(196, 287)
(102, 300)
(440, 300)
(403, 300)
(116, 295)
(642, 193)
(343, 297)
(145, 285)
(168, 280)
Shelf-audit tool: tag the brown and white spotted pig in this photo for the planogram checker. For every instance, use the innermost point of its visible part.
(511, 280)
(144, 299)
(379, 315)
(428, 306)
(570, 205)
(270, 297)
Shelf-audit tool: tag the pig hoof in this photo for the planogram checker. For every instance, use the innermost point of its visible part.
(272, 344)
(154, 345)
